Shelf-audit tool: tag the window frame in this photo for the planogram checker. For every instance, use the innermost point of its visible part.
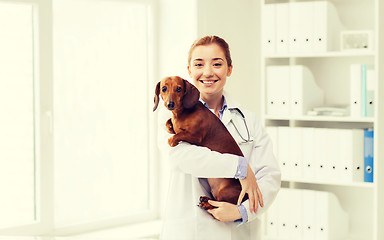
(42, 42)
(44, 123)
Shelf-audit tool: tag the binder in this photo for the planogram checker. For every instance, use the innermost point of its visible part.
(269, 28)
(284, 152)
(332, 221)
(301, 26)
(278, 90)
(295, 161)
(320, 154)
(282, 28)
(363, 90)
(370, 91)
(309, 217)
(296, 219)
(307, 214)
(326, 27)
(332, 158)
(272, 218)
(355, 90)
(351, 146)
(272, 132)
(308, 156)
(368, 155)
(285, 212)
(305, 94)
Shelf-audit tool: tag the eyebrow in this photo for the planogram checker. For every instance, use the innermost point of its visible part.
(214, 59)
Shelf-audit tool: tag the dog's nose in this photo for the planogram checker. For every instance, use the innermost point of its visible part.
(171, 105)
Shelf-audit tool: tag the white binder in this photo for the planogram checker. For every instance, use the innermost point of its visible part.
(355, 90)
(301, 26)
(326, 28)
(331, 221)
(351, 146)
(272, 132)
(282, 28)
(371, 86)
(285, 213)
(332, 158)
(309, 217)
(308, 214)
(296, 218)
(269, 29)
(278, 90)
(295, 162)
(308, 155)
(320, 154)
(284, 152)
(305, 94)
(272, 218)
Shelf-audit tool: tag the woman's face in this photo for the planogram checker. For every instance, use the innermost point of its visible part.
(209, 69)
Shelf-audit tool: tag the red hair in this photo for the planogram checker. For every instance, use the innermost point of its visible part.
(207, 40)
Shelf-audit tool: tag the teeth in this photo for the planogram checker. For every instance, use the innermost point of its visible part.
(208, 82)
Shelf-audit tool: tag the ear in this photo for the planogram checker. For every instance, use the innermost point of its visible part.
(191, 96)
(156, 99)
(229, 72)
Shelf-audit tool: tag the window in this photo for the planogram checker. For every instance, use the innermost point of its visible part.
(76, 87)
(18, 136)
(102, 110)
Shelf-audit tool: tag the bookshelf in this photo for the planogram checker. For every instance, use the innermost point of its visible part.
(362, 201)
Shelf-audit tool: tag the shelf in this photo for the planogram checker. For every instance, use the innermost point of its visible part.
(360, 53)
(352, 184)
(322, 119)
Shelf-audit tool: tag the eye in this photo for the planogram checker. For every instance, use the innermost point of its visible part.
(198, 65)
(217, 64)
(164, 89)
(178, 89)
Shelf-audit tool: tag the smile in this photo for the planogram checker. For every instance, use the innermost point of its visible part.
(208, 81)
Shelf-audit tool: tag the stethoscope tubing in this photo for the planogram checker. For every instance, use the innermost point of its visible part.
(245, 123)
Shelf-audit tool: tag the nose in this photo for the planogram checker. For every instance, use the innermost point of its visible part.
(171, 105)
(208, 71)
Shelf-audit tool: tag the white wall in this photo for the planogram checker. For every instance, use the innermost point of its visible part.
(238, 22)
(177, 30)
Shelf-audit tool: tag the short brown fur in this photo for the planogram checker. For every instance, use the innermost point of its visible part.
(194, 123)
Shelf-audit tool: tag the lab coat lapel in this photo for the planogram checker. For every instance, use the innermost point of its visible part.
(227, 116)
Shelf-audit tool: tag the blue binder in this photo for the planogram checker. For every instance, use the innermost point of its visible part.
(368, 155)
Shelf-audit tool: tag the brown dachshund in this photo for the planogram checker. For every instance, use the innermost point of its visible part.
(194, 123)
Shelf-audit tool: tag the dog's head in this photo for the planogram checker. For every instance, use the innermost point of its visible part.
(176, 93)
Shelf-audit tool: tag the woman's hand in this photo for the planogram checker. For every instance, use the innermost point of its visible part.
(225, 212)
(249, 185)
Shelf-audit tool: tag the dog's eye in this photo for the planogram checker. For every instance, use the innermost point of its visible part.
(164, 89)
(178, 89)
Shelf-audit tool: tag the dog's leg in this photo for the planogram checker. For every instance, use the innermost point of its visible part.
(169, 126)
(186, 137)
(204, 203)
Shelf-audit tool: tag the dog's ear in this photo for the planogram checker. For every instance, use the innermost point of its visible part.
(156, 99)
(191, 96)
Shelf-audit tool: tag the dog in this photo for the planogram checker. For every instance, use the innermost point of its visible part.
(192, 122)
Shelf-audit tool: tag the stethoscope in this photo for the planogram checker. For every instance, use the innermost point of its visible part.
(245, 124)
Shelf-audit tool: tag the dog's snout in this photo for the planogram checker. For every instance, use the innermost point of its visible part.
(171, 105)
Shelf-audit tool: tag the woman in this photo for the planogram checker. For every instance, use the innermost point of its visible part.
(209, 65)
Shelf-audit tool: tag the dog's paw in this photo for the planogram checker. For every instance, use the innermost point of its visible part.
(204, 203)
(172, 142)
(169, 126)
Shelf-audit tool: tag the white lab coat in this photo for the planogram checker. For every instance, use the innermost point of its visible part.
(183, 219)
